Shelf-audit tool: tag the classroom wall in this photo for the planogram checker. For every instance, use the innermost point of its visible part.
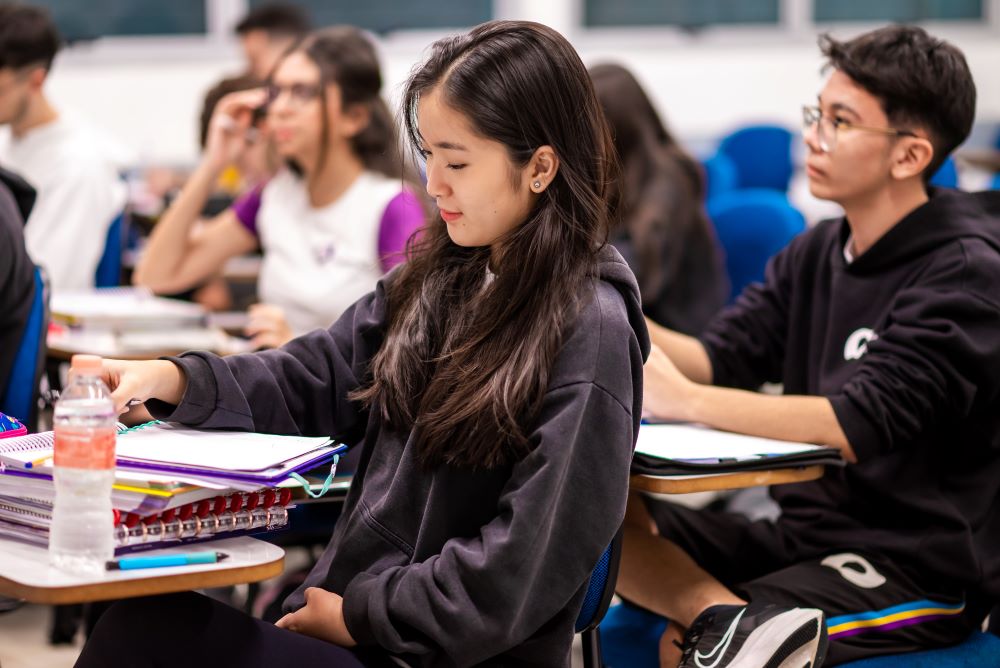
(149, 98)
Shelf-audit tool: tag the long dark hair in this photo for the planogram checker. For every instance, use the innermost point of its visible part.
(346, 57)
(466, 360)
(662, 187)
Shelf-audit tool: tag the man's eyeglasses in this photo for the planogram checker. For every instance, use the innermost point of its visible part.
(827, 128)
(298, 93)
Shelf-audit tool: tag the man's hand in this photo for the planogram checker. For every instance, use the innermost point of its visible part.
(321, 617)
(666, 392)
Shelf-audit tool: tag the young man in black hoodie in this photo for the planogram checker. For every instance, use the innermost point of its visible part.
(884, 328)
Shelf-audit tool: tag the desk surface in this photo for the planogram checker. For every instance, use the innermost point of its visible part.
(26, 573)
(705, 483)
(141, 345)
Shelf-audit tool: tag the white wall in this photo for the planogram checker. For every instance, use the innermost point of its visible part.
(149, 96)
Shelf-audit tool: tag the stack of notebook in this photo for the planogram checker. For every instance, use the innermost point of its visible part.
(690, 449)
(172, 483)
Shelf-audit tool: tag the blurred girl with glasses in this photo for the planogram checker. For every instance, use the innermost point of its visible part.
(334, 217)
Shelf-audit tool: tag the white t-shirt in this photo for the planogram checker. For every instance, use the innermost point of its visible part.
(79, 195)
(319, 261)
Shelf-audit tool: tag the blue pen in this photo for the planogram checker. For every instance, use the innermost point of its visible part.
(132, 563)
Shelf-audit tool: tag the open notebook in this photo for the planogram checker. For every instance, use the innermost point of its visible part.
(173, 448)
(686, 449)
(123, 308)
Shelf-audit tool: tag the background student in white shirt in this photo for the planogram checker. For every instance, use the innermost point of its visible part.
(79, 190)
(329, 223)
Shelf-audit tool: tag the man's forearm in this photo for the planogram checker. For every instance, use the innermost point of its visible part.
(686, 352)
(788, 418)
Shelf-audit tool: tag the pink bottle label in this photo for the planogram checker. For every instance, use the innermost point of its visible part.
(85, 448)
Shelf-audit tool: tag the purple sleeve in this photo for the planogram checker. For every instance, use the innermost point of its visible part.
(246, 207)
(402, 217)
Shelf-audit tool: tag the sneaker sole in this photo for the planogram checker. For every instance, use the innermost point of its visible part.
(799, 649)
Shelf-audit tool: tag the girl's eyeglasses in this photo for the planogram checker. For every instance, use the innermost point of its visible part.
(829, 127)
(298, 93)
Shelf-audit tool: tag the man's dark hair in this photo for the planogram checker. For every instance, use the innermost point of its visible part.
(27, 36)
(921, 81)
(276, 18)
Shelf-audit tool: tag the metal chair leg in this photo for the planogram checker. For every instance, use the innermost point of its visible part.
(591, 643)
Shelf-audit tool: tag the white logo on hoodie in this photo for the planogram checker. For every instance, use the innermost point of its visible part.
(857, 343)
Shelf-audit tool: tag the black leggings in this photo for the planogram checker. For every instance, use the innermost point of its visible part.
(192, 630)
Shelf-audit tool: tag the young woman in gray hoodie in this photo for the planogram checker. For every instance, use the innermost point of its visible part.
(493, 382)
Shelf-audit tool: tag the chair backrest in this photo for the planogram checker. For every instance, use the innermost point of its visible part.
(752, 225)
(601, 587)
(720, 175)
(762, 155)
(947, 174)
(20, 393)
(109, 269)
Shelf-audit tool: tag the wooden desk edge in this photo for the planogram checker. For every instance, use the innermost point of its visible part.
(163, 584)
(675, 485)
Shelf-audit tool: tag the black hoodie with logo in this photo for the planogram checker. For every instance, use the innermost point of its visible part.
(905, 343)
(452, 567)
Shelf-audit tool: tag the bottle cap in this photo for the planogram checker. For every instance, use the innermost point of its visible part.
(86, 364)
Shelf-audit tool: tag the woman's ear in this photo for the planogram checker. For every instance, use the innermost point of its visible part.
(541, 169)
(913, 154)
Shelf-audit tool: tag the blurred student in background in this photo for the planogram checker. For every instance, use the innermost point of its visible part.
(266, 32)
(79, 190)
(332, 220)
(665, 235)
(251, 170)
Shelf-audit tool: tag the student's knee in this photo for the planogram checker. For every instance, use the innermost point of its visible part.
(142, 617)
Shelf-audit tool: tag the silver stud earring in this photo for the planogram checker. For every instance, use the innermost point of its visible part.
(537, 185)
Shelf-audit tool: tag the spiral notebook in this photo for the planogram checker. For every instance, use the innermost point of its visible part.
(28, 520)
(173, 448)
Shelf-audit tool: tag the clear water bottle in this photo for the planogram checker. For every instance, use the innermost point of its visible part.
(82, 534)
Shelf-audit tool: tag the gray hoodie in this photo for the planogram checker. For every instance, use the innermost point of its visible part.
(451, 567)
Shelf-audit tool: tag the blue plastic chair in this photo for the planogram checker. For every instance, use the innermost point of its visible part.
(995, 185)
(981, 650)
(20, 390)
(109, 269)
(752, 225)
(630, 637)
(947, 175)
(720, 175)
(600, 590)
(762, 155)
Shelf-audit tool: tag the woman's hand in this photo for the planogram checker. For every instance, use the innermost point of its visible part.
(267, 327)
(155, 379)
(322, 617)
(667, 394)
(231, 129)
